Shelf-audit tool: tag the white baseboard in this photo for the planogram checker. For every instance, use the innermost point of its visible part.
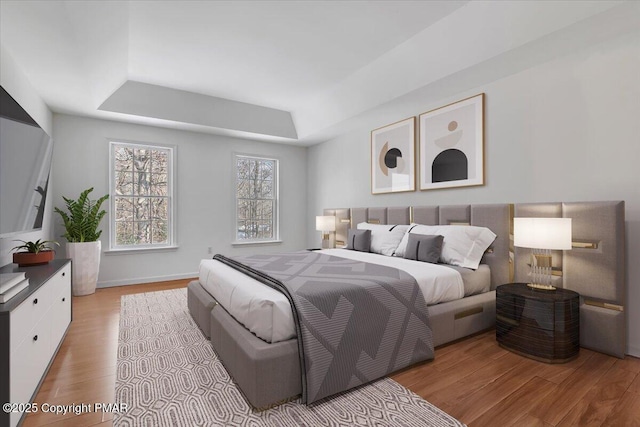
(633, 351)
(139, 280)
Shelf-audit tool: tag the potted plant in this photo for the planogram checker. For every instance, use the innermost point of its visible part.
(83, 245)
(33, 253)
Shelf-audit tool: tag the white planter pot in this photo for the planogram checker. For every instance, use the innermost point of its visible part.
(85, 264)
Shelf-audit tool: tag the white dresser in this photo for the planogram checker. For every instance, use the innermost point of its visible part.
(32, 326)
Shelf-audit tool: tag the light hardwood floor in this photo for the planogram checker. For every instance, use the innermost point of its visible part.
(474, 380)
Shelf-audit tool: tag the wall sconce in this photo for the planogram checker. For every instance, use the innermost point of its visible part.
(326, 224)
(542, 235)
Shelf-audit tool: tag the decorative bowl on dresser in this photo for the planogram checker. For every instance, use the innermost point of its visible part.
(540, 324)
(32, 326)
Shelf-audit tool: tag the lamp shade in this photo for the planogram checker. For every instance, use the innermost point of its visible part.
(326, 223)
(542, 233)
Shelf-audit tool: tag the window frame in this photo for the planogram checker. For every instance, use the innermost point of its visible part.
(171, 184)
(276, 199)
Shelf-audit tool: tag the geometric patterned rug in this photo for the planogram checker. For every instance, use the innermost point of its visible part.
(169, 375)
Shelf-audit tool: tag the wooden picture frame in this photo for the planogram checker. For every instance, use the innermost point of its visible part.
(451, 145)
(393, 157)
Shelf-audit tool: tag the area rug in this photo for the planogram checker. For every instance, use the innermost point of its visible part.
(169, 375)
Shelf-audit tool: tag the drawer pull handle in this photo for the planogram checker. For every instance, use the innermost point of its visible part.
(35, 301)
(35, 338)
(63, 273)
(63, 299)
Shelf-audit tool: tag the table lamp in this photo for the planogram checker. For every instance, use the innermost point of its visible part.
(542, 235)
(326, 224)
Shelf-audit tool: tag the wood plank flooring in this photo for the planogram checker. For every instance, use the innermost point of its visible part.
(474, 380)
(482, 384)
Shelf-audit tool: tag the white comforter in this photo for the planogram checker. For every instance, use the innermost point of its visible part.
(267, 312)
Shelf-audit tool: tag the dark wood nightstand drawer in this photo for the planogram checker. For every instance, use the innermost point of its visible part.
(544, 325)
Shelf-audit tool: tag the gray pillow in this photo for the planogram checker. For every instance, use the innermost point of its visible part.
(359, 240)
(424, 248)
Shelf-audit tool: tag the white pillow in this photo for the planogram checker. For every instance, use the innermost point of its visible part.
(464, 245)
(384, 237)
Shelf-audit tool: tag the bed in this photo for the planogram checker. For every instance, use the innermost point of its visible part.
(269, 372)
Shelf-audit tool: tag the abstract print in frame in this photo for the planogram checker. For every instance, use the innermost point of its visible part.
(452, 145)
(393, 157)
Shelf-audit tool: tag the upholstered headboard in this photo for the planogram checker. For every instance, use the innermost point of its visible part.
(495, 217)
(595, 267)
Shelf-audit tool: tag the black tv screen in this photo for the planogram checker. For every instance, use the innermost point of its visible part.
(25, 163)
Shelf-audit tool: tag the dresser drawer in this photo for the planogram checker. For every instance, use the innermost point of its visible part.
(60, 315)
(28, 361)
(28, 314)
(61, 281)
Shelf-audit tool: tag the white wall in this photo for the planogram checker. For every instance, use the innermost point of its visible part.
(564, 130)
(204, 193)
(14, 81)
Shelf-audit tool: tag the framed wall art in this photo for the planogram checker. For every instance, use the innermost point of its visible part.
(393, 157)
(452, 145)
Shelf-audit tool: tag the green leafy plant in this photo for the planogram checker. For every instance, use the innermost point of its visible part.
(83, 217)
(35, 247)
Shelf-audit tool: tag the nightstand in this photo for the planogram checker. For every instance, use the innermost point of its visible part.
(539, 324)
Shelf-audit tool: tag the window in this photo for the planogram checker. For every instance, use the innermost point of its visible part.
(141, 196)
(256, 199)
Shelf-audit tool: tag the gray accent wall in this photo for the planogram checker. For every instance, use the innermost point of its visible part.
(564, 129)
(204, 193)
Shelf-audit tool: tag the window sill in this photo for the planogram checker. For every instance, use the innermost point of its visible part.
(256, 242)
(140, 250)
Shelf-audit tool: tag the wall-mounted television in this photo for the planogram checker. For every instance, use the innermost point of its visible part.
(25, 163)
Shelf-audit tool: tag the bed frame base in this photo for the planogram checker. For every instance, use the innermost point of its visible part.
(269, 374)
(457, 319)
(266, 373)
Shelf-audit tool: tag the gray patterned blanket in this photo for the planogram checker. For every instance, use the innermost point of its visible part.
(355, 321)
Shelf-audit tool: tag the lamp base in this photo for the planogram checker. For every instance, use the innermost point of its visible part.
(541, 269)
(538, 286)
(327, 241)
